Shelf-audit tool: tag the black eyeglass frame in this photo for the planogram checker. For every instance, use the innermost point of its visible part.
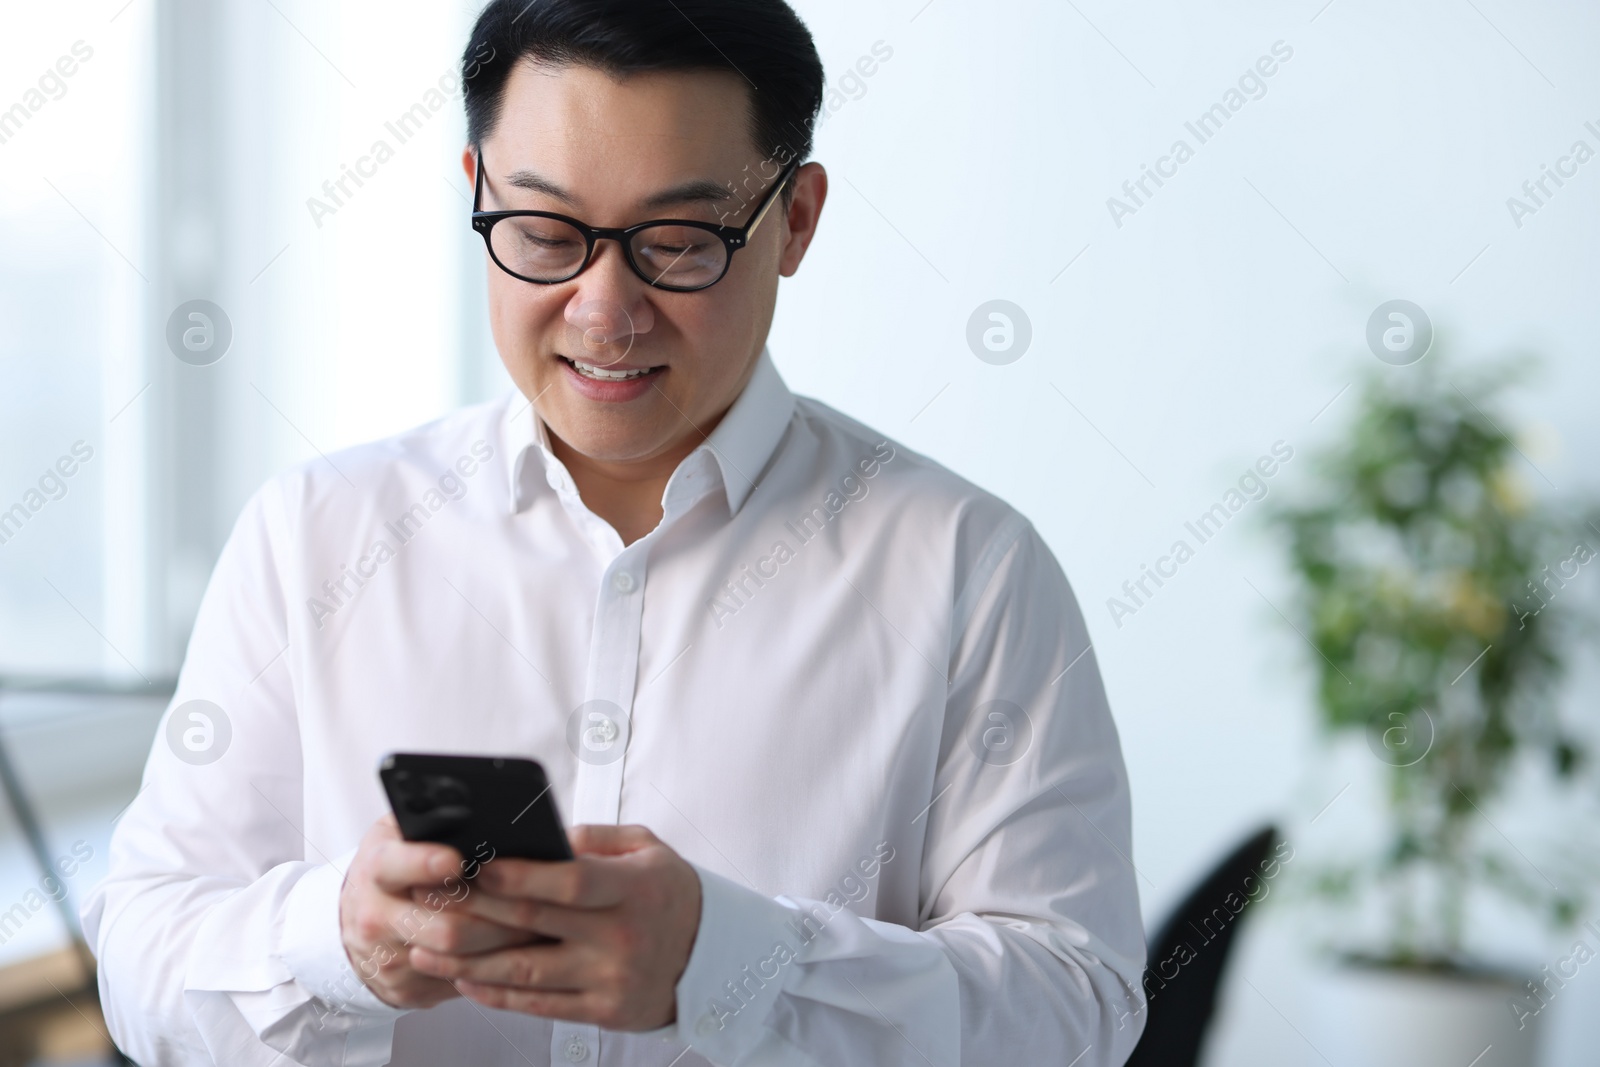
(733, 237)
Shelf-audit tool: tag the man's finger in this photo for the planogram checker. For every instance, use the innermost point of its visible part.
(529, 915)
(584, 882)
(408, 922)
(608, 839)
(464, 935)
(399, 865)
(550, 968)
(576, 1007)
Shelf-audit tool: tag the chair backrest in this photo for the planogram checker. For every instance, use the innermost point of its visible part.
(1187, 956)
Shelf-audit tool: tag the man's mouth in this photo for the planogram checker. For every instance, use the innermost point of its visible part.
(609, 374)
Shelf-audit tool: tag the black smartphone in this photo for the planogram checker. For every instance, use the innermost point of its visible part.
(482, 806)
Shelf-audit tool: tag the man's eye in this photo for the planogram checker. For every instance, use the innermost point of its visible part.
(674, 246)
(541, 241)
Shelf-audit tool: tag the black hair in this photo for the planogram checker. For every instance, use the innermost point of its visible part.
(762, 41)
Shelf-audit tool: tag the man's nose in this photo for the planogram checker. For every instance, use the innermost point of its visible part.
(609, 308)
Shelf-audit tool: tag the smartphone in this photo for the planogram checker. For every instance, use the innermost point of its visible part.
(482, 806)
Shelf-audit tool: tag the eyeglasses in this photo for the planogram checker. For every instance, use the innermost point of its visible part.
(680, 255)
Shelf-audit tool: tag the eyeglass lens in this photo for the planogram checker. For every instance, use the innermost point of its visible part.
(549, 250)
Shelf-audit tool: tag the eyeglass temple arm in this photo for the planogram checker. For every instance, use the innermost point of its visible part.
(776, 193)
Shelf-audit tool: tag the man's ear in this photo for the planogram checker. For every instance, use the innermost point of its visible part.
(469, 163)
(810, 192)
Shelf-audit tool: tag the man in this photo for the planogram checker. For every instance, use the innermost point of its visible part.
(844, 785)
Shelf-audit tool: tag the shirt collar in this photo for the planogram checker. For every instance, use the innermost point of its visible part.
(739, 447)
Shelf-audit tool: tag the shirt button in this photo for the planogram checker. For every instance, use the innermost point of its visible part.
(576, 1050)
(623, 582)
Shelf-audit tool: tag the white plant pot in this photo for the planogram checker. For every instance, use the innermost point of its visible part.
(1378, 1017)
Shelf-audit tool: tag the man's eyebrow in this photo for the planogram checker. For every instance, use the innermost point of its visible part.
(694, 191)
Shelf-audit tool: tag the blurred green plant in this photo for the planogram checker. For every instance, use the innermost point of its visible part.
(1433, 586)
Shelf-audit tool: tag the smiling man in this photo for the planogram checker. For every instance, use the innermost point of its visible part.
(843, 782)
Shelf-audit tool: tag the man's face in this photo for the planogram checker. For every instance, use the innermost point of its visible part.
(612, 147)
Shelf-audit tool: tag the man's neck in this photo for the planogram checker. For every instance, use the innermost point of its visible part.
(626, 495)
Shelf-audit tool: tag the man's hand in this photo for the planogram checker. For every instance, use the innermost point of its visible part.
(626, 912)
(399, 894)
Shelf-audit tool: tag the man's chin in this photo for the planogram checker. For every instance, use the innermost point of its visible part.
(592, 439)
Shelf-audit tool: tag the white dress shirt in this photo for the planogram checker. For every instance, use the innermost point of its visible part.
(852, 689)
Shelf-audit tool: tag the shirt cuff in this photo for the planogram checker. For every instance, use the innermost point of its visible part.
(736, 970)
(313, 947)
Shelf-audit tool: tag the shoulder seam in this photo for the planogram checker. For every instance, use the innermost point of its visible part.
(983, 572)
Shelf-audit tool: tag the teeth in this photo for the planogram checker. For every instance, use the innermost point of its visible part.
(589, 370)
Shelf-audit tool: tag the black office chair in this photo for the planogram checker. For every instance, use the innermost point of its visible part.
(1194, 942)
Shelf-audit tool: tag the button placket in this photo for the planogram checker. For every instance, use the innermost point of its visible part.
(611, 677)
(604, 722)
